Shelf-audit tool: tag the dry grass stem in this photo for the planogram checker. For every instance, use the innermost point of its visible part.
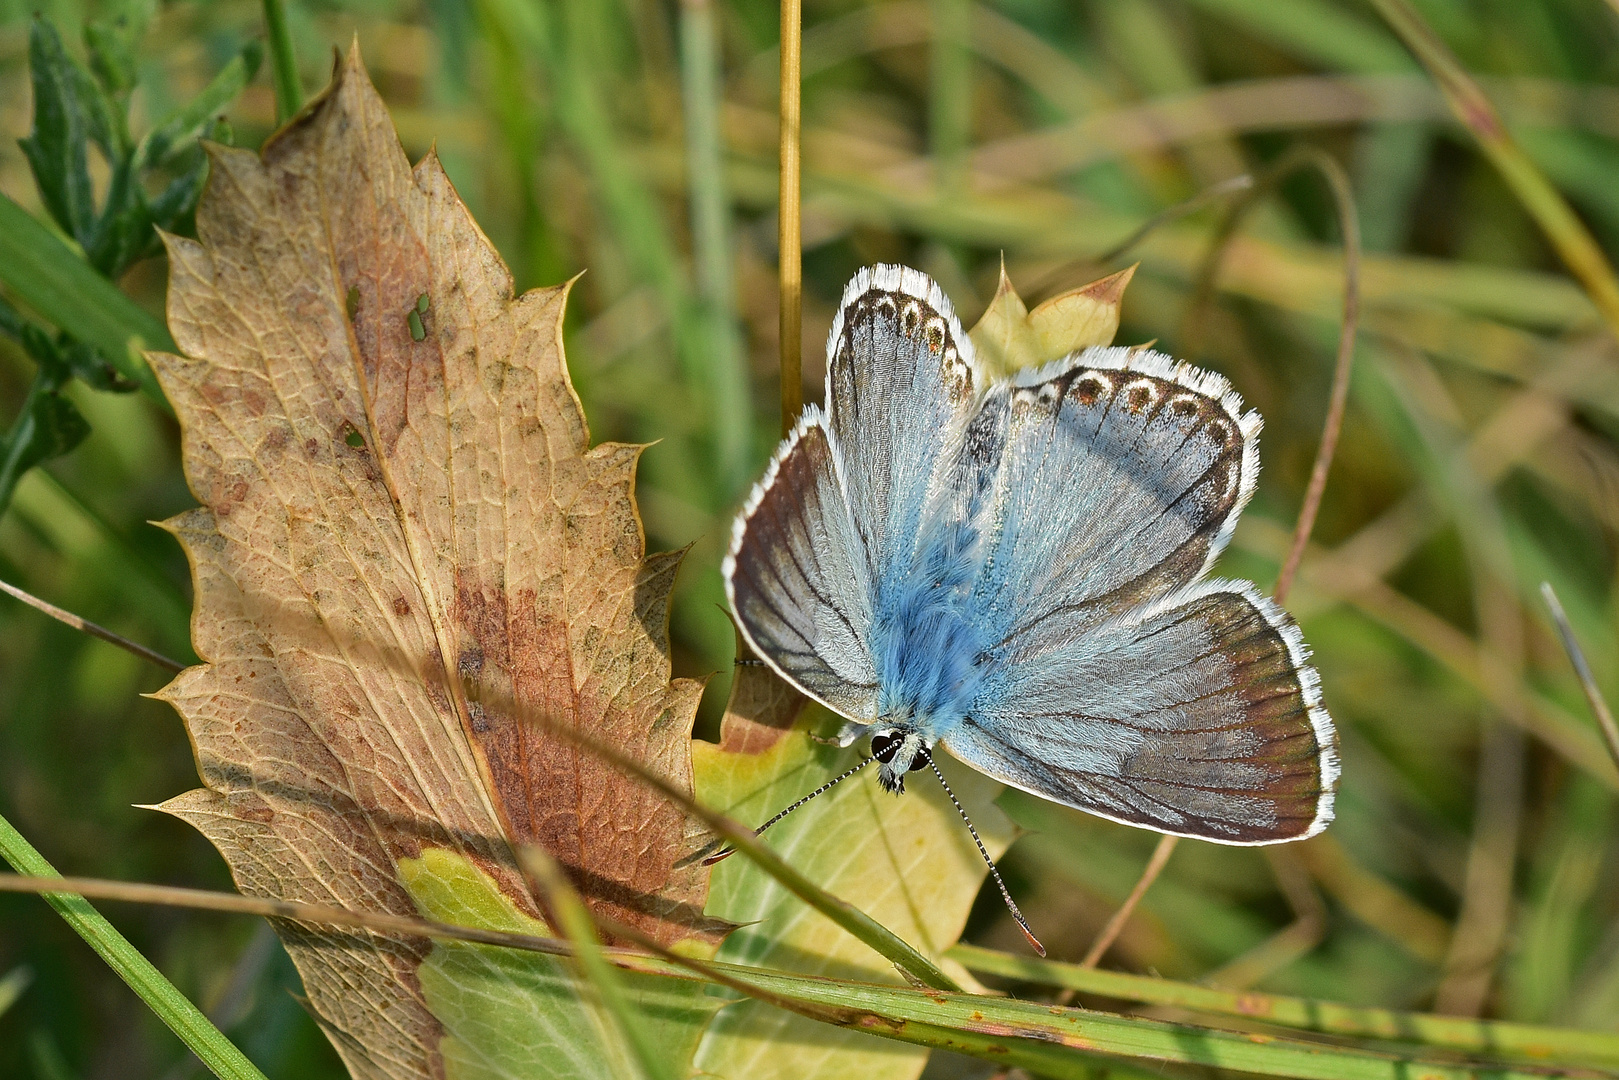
(789, 235)
(1582, 669)
(93, 629)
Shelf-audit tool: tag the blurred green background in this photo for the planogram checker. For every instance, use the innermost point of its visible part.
(1474, 866)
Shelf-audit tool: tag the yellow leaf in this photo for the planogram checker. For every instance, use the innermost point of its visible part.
(1009, 337)
(907, 861)
(400, 503)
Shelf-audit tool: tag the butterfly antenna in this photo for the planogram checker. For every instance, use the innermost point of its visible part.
(1011, 905)
(822, 790)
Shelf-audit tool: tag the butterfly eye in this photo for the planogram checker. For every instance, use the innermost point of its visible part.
(921, 760)
(884, 747)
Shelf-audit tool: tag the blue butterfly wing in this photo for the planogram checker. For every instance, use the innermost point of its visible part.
(1118, 684)
(796, 576)
(1118, 477)
(840, 507)
(901, 382)
(1197, 715)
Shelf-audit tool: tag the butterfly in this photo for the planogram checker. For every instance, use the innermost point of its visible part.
(1015, 569)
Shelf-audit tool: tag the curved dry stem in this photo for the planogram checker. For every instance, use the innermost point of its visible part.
(1213, 193)
(1155, 866)
(1299, 157)
(1582, 670)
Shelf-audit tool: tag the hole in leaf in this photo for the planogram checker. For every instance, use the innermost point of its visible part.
(353, 437)
(421, 303)
(414, 321)
(353, 302)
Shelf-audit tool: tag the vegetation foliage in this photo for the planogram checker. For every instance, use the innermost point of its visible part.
(1474, 869)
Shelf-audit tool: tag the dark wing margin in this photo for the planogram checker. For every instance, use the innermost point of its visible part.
(1198, 716)
(796, 575)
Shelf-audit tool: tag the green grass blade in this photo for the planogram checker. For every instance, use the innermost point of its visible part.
(710, 201)
(1060, 1042)
(1568, 235)
(205, 1040)
(12, 987)
(47, 276)
(1316, 31)
(950, 95)
(1494, 1037)
(574, 920)
(289, 94)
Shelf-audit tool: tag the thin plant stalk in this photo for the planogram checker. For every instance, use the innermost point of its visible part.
(1115, 925)
(789, 234)
(573, 919)
(1564, 1045)
(183, 1018)
(93, 629)
(1582, 669)
(1568, 235)
(1055, 1042)
(289, 93)
(711, 239)
(1349, 228)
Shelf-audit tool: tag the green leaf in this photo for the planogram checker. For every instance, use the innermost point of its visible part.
(511, 1015)
(64, 289)
(907, 861)
(65, 122)
(34, 340)
(176, 132)
(48, 426)
(595, 973)
(123, 232)
(112, 43)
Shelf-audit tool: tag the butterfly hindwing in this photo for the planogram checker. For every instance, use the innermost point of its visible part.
(1197, 715)
(797, 579)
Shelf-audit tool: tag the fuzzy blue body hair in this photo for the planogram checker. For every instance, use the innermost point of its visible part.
(934, 635)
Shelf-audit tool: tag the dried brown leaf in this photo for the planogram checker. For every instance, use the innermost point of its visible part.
(400, 499)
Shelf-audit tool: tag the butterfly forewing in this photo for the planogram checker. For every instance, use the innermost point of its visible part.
(1196, 716)
(900, 384)
(1119, 480)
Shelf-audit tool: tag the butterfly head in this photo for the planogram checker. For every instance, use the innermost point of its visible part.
(898, 751)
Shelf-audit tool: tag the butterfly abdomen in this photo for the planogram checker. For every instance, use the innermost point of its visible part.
(931, 641)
